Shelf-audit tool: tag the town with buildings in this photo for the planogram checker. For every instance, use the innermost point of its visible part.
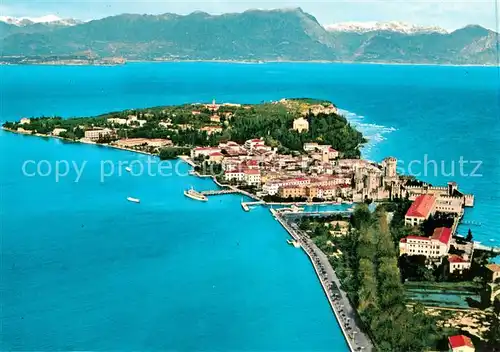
(226, 143)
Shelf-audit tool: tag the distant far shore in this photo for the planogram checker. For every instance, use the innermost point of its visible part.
(257, 62)
(248, 62)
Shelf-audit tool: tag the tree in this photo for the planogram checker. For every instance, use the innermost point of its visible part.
(493, 335)
(469, 236)
(361, 216)
(320, 231)
(79, 133)
(435, 221)
(367, 306)
(172, 153)
(305, 224)
(67, 134)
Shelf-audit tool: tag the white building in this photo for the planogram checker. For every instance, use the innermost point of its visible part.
(205, 151)
(236, 175)
(95, 134)
(327, 192)
(25, 121)
(272, 187)
(231, 164)
(117, 121)
(458, 264)
(252, 177)
(310, 147)
(159, 143)
(433, 247)
(447, 204)
(420, 210)
(252, 143)
(58, 131)
(300, 125)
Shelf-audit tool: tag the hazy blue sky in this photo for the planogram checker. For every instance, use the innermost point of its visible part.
(445, 13)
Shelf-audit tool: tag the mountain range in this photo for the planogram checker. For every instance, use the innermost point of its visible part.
(47, 20)
(285, 34)
(394, 26)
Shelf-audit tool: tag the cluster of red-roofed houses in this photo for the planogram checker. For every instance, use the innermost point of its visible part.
(254, 163)
(353, 179)
(437, 246)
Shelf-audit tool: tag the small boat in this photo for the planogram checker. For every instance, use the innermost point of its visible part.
(245, 206)
(133, 200)
(192, 172)
(191, 193)
(294, 243)
(128, 169)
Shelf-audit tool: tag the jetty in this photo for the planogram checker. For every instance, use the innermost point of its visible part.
(478, 245)
(225, 189)
(471, 222)
(245, 206)
(218, 192)
(255, 203)
(345, 313)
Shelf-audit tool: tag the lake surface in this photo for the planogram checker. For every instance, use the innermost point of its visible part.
(84, 269)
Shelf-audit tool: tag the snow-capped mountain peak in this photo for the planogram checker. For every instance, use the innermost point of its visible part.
(395, 26)
(52, 19)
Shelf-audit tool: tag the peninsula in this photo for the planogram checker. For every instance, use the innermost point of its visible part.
(302, 150)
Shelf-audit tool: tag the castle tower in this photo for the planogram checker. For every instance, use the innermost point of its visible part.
(325, 155)
(390, 164)
(373, 181)
(452, 188)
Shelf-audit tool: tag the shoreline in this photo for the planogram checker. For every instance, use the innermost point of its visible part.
(183, 158)
(79, 141)
(261, 62)
(326, 291)
(257, 62)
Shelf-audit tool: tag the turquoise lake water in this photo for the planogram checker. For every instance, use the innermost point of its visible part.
(84, 269)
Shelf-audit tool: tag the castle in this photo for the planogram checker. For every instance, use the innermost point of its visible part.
(380, 182)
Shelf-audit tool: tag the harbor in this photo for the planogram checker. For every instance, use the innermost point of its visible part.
(344, 312)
